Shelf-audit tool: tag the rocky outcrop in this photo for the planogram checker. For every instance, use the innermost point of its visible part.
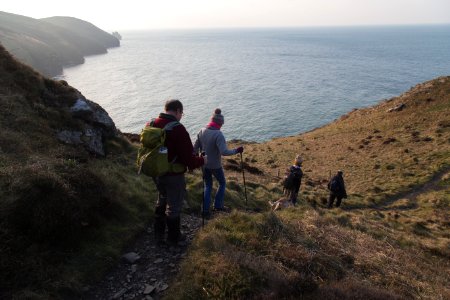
(117, 35)
(97, 125)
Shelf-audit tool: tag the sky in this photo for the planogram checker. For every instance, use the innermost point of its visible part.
(183, 14)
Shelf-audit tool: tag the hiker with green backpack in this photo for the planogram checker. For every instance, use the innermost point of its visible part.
(166, 154)
(211, 141)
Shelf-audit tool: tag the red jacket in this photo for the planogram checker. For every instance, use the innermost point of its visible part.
(178, 143)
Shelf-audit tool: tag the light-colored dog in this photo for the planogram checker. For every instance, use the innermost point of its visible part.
(280, 204)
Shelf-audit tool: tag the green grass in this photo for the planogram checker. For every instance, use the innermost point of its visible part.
(389, 240)
(363, 250)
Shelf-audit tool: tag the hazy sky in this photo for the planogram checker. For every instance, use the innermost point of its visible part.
(143, 14)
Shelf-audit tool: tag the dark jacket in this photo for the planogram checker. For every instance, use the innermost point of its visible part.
(178, 143)
(293, 178)
(337, 186)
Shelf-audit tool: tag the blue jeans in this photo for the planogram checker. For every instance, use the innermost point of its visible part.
(220, 176)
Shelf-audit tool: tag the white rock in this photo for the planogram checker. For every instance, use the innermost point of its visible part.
(131, 257)
(119, 294)
(80, 105)
(148, 289)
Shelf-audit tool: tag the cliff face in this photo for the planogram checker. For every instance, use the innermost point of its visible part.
(50, 44)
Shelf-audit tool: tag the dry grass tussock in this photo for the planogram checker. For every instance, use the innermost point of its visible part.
(310, 258)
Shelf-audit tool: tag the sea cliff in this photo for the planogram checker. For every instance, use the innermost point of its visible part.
(50, 44)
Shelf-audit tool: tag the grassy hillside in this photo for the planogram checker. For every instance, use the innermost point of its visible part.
(50, 44)
(63, 212)
(389, 240)
(85, 29)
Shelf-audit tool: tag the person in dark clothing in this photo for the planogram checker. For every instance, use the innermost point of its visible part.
(172, 186)
(293, 180)
(337, 189)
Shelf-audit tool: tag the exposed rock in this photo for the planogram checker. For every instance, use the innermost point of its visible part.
(161, 287)
(97, 126)
(148, 289)
(150, 280)
(119, 293)
(92, 113)
(81, 107)
(94, 141)
(399, 107)
(70, 137)
(116, 35)
(131, 257)
(133, 268)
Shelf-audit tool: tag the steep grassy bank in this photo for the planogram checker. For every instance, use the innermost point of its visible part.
(389, 240)
(65, 214)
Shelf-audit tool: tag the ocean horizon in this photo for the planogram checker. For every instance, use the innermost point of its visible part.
(269, 82)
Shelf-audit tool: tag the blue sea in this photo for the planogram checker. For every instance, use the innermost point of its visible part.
(268, 82)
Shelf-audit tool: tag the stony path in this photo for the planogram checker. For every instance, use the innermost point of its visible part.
(146, 270)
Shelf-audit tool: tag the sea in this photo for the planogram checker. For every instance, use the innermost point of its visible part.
(268, 82)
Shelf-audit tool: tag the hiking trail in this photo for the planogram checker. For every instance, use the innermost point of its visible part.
(411, 195)
(146, 270)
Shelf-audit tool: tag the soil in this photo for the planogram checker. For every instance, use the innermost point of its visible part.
(154, 270)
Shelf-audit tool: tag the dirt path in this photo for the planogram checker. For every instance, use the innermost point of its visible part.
(411, 195)
(149, 270)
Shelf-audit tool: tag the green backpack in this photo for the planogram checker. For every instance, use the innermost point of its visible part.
(152, 158)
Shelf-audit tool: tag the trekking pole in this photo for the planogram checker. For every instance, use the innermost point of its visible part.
(243, 176)
(203, 197)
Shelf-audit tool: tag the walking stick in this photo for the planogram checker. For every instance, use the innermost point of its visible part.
(243, 176)
(203, 197)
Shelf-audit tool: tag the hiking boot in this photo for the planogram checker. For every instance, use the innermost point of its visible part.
(222, 209)
(181, 241)
(159, 227)
(206, 215)
(174, 235)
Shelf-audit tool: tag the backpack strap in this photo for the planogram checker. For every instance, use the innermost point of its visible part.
(171, 125)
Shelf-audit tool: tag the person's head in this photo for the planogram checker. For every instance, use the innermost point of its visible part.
(174, 107)
(217, 117)
(298, 160)
(340, 173)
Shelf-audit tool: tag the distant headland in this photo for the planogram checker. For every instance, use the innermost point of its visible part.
(50, 44)
(117, 35)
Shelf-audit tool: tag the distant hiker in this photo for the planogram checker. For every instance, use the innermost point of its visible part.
(293, 179)
(172, 186)
(212, 141)
(337, 189)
